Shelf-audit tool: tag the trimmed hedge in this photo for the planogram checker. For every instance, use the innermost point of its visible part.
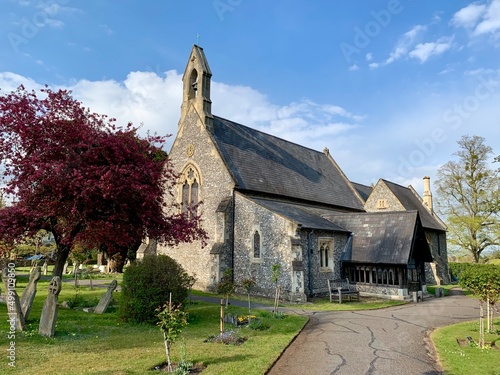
(147, 285)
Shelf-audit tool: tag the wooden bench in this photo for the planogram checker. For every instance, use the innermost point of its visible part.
(341, 288)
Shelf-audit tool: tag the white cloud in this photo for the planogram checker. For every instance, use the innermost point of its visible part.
(369, 56)
(423, 51)
(399, 146)
(11, 81)
(154, 101)
(491, 20)
(353, 67)
(403, 46)
(468, 16)
(480, 18)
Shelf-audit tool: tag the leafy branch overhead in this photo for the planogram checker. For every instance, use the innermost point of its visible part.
(83, 178)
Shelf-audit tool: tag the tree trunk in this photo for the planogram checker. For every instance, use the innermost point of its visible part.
(62, 257)
(481, 325)
(488, 315)
(120, 260)
(221, 316)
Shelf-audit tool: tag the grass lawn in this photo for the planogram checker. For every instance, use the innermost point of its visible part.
(469, 359)
(102, 344)
(317, 304)
(432, 288)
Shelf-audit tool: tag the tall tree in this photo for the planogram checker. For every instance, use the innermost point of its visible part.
(78, 175)
(468, 191)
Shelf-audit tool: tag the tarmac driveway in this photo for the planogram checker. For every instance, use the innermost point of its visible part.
(383, 342)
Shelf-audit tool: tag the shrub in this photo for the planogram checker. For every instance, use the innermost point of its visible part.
(147, 285)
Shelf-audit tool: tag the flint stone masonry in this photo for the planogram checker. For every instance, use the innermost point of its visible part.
(50, 308)
(382, 192)
(29, 292)
(438, 273)
(275, 248)
(251, 181)
(215, 185)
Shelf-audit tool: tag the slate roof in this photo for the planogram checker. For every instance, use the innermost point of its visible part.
(363, 190)
(384, 238)
(260, 162)
(411, 202)
(308, 217)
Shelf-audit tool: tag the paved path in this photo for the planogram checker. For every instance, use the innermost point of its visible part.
(392, 341)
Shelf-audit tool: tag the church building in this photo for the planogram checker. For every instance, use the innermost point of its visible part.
(266, 201)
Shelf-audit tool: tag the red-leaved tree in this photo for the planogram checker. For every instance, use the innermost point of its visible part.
(76, 174)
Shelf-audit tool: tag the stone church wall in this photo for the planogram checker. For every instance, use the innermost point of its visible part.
(382, 193)
(437, 272)
(276, 245)
(319, 284)
(216, 184)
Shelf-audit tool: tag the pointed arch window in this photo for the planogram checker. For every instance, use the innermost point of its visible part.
(256, 244)
(189, 189)
(326, 254)
(193, 84)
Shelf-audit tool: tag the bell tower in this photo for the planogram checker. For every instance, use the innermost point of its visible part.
(196, 87)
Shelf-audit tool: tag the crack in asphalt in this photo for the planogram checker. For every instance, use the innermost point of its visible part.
(375, 351)
(372, 367)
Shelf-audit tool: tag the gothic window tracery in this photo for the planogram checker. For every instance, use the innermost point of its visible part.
(325, 255)
(190, 189)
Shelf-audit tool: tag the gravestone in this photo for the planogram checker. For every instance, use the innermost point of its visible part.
(65, 268)
(14, 311)
(29, 292)
(106, 298)
(49, 311)
(439, 292)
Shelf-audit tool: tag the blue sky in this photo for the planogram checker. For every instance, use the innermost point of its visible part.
(387, 86)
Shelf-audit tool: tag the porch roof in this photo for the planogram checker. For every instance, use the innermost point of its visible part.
(388, 238)
(308, 217)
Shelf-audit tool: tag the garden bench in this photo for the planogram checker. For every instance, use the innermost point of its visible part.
(341, 288)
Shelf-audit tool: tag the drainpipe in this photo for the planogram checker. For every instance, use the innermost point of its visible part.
(309, 263)
(232, 239)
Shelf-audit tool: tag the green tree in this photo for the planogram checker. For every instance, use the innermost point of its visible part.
(275, 276)
(248, 285)
(483, 281)
(226, 286)
(171, 320)
(468, 192)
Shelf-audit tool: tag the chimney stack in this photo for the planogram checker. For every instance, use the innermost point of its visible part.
(427, 193)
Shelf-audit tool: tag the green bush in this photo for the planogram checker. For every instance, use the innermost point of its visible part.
(147, 285)
(456, 268)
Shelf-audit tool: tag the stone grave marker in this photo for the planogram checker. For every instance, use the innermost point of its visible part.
(106, 298)
(29, 292)
(14, 311)
(49, 311)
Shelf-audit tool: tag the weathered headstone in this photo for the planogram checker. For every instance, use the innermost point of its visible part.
(106, 298)
(16, 317)
(49, 311)
(65, 268)
(45, 267)
(29, 292)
